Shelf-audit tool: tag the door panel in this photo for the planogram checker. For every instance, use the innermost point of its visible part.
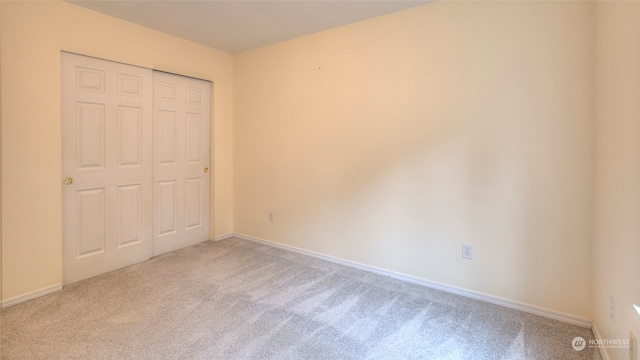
(89, 79)
(194, 138)
(166, 209)
(166, 123)
(129, 136)
(193, 195)
(90, 130)
(107, 152)
(181, 161)
(90, 222)
(129, 219)
(129, 85)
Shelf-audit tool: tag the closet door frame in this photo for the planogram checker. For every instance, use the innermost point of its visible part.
(108, 167)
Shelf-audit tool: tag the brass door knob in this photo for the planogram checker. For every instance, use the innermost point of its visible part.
(206, 169)
(67, 181)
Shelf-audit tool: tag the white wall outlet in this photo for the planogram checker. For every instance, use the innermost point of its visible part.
(271, 216)
(612, 308)
(467, 251)
(633, 346)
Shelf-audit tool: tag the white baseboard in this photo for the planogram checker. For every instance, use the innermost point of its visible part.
(223, 236)
(31, 295)
(596, 334)
(410, 279)
(432, 284)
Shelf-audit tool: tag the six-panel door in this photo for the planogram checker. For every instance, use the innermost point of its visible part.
(181, 161)
(107, 162)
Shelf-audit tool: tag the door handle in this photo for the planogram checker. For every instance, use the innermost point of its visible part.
(206, 170)
(67, 181)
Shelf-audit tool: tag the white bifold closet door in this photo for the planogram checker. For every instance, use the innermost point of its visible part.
(109, 161)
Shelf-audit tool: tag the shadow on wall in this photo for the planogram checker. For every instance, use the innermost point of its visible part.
(393, 150)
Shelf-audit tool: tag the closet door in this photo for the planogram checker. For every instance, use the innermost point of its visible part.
(181, 115)
(106, 165)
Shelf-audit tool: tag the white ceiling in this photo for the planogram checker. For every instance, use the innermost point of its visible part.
(238, 25)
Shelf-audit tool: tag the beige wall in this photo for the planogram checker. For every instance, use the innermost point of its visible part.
(391, 141)
(1, 11)
(616, 243)
(33, 34)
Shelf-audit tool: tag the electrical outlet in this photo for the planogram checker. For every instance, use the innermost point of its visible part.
(467, 251)
(612, 308)
(633, 346)
(271, 216)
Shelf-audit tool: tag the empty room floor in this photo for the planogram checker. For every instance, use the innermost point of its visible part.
(236, 299)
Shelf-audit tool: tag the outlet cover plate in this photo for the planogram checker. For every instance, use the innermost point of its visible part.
(467, 251)
(612, 309)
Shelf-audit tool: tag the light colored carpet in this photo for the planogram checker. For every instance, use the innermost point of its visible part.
(236, 299)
